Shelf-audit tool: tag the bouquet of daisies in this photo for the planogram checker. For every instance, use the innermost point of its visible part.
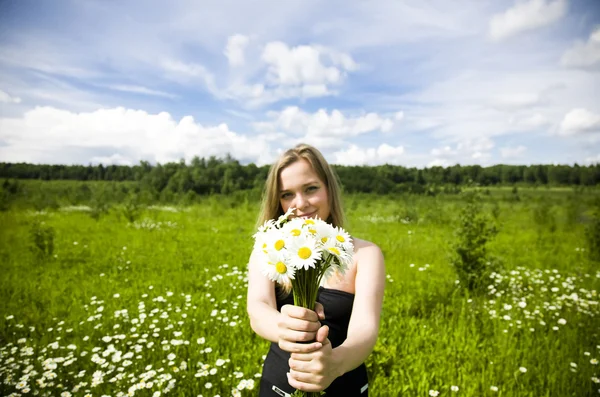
(303, 253)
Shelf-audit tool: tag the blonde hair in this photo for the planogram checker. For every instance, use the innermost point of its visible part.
(271, 205)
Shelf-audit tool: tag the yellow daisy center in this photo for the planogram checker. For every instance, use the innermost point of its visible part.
(304, 253)
(279, 244)
(312, 231)
(295, 232)
(324, 239)
(335, 250)
(280, 267)
(340, 238)
(309, 222)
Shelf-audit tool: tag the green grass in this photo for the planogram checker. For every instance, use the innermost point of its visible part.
(433, 336)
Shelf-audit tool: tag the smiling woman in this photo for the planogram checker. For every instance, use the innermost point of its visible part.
(322, 349)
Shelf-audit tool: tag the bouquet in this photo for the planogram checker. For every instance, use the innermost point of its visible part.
(302, 253)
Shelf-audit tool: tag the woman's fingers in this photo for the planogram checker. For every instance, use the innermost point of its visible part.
(320, 310)
(292, 347)
(299, 312)
(308, 387)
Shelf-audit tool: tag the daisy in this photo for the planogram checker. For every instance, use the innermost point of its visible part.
(278, 269)
(344, 239)
(325, 232)
(294, 228)
(343, 259)
(303, 252)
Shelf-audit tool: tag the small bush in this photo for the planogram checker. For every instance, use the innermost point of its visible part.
(475, 230)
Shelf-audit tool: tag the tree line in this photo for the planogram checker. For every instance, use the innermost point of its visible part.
(226, 175)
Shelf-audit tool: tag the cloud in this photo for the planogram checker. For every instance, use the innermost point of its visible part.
(468, 151)
(234, 51)
(534, 121)
(383, 154)
(186, 72)
(584, 55)
(579, 120)
(141, 90)
(47, 134)
(593, 159)
(322, 124)
(305, 65)
(509, 152)
(524, 16)
(6, 98)
(516, 101)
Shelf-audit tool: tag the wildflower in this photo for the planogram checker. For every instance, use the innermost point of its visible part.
(562, 321)
(494, 388)
(593, 361)
(523, 369)
(454, 388)
(434, 393)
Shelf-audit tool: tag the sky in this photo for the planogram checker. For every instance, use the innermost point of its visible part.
(413, 83)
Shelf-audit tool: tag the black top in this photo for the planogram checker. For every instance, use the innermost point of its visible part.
(338, 308)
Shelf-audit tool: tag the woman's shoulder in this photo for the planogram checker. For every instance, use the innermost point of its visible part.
(365, 247)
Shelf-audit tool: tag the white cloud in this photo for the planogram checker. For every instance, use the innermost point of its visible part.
(516, 101)
(305, 65)
(508, 152)
(115, 159)
(467, 151)
(186, 72)
(47, 134)
(579, 120)
(234, 51)
(534, 121)
(593, 159)
(383, 154)
(6, 98)
(140, 90)
(524, 16)
(584, 55)
(322, 124)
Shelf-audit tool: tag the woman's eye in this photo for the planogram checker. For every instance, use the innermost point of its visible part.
(311, 189)
(286, 195)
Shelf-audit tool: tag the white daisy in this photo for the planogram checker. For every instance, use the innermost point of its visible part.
(325, 232)
(342, 259)
(344, 239)
(303, 252)
(294, 228)
(278, 269)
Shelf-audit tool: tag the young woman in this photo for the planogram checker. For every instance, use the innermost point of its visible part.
(324, 349)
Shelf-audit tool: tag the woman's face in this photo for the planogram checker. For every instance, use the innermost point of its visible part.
(302, 189)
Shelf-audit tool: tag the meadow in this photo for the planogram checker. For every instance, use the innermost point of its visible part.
(153, 304)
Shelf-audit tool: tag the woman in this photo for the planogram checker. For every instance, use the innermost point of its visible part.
(323, 349)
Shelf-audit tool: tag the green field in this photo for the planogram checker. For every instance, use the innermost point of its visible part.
(157, 306)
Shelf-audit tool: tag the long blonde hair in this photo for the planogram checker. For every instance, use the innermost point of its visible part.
(271, 205)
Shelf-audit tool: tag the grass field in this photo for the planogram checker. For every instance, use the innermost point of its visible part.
(157, 306)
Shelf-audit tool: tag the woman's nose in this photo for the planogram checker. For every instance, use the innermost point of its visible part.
(300, 201)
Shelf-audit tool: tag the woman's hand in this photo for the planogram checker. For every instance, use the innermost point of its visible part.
(314, 371)
(297, 325)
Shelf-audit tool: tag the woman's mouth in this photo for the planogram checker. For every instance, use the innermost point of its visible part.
(309, 215)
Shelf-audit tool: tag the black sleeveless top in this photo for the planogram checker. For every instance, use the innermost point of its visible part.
(338, 308)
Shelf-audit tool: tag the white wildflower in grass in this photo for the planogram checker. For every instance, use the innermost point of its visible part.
(595, 379)
(208, 385)
(494, 388)
(434, 393)
(594, 361)
(454, 388)
(522, 369)
(562, 321)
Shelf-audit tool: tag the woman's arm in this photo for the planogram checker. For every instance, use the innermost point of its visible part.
(363, 328)
(294, 324)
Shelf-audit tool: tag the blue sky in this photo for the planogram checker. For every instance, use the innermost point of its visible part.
(414, 83)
